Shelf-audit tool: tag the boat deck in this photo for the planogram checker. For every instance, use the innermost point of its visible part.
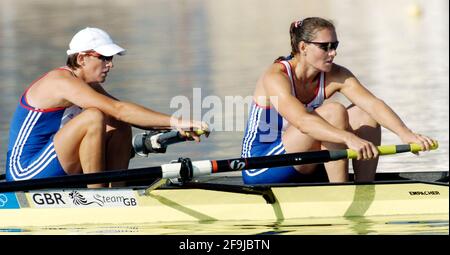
(205, 202)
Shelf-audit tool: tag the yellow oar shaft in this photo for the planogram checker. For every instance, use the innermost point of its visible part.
(393, 149)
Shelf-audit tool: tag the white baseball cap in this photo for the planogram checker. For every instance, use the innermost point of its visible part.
(94, 39)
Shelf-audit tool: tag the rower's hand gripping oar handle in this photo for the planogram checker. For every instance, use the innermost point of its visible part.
(156, 141)
(393, 149)
(172, 137)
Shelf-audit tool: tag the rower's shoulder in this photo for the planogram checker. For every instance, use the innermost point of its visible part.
(61, 73)
(339, 71)
(277, 68)
(62, 77)
(276, 72)
(50, 80)
(272, 80)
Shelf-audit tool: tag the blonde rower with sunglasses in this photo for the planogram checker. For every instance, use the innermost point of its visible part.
(291, 113)
(66, 123)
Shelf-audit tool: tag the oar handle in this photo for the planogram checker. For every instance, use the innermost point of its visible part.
(172, 137)
(155, 141)
(393, 149)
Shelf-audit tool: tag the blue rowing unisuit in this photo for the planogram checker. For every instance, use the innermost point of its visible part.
(263, 134)
(31, 153)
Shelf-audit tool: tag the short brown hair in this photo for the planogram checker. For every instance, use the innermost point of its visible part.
(72, 61)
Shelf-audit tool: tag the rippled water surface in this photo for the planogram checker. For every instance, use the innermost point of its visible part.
(223, 46)
(381, 225)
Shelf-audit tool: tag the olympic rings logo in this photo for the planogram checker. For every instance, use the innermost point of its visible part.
(3, 200)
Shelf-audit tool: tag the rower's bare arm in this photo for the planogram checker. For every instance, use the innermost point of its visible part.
(378, 109)
(81, 94)
(99, 88)
(278, 88)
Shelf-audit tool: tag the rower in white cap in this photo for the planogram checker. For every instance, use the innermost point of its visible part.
(66, 123)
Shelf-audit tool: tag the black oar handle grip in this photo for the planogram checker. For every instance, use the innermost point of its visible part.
(169, 138)
(157, 141)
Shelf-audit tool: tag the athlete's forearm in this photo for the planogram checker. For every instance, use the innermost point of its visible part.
(144, 118)
(319, 129)
(387, 118)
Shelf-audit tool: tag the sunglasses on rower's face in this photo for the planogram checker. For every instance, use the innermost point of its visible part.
(101, 57)
(326, 46)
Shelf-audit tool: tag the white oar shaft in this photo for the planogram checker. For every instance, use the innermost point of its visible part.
(200, 168)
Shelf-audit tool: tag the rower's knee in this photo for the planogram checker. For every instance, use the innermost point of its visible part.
(335, 114)
(95, 119)
(363, 125)
(359, 118)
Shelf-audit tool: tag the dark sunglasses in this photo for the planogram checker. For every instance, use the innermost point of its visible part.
(101, 57)
(326, 46)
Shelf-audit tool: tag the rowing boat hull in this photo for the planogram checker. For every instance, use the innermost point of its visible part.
(133, 206)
